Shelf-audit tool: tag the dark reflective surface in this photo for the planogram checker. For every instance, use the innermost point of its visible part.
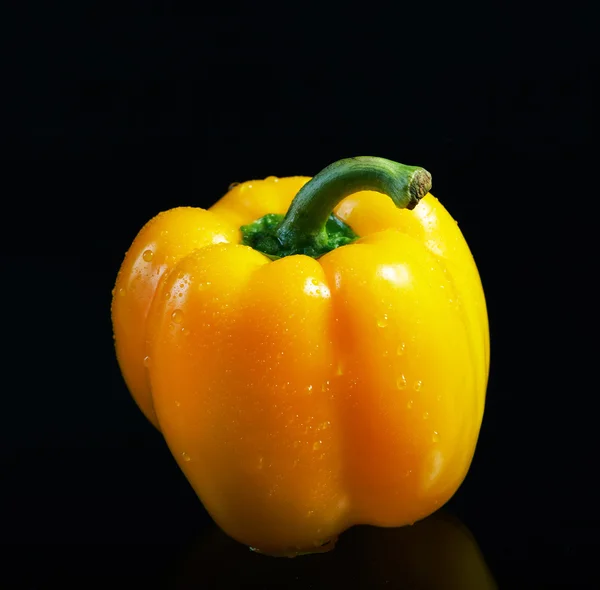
(117, 117)
(436, 553)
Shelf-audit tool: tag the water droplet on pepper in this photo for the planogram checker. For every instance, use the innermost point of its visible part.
(382, 322)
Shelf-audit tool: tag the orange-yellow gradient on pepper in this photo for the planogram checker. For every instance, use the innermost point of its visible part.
(309, 371)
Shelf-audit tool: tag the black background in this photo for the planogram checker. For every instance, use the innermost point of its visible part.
(112, 115)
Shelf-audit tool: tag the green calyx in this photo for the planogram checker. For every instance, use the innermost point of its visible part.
(309, 227)
(262, 235)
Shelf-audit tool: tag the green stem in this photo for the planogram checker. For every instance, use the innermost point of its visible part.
(304, 229)
(311, 207)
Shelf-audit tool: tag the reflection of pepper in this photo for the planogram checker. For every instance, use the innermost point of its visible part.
(304, 379)
(438, 553)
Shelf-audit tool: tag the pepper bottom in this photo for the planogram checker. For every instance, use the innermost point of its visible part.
(322, 546)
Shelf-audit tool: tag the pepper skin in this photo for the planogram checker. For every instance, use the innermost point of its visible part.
(303, 387)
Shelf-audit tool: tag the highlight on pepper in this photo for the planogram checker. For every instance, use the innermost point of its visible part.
(315, 351)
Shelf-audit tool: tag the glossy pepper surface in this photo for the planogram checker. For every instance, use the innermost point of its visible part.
(309, 370)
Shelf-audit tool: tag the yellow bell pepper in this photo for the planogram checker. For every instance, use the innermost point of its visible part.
(315, 352)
